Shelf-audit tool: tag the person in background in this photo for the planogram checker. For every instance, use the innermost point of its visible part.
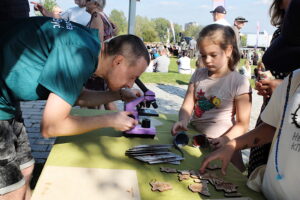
(238, 24)
(161, 63)
(184, 64)
(56, 10)
(250, 56)
(255, 58)
(150, 66)
(280, 66)
(82, 14)
(218, 100)
(246, 69)
(279, 179)
(76, 14)
(260, 68)
(53, 65)
(199, 63)
(47, 13)
(106, 30)
(192, 48)
(99, 20)
(219, 15)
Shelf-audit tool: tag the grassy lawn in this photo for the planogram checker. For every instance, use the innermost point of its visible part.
(173, 77)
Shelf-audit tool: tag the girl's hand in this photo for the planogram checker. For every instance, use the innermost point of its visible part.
(219, 142)
(129, 94)
(224, 154)
(121, 121)
(179, 126)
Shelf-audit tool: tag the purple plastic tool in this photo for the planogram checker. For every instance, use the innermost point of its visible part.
(139, 107)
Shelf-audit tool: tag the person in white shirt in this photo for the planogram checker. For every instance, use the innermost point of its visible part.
(281, 124)
(219, 14)
(184, 64)
(246, 69)
(161, 63)
(76, 14)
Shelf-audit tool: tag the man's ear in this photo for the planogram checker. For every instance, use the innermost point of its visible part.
(118, 60)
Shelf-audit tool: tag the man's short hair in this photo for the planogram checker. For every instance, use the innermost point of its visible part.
(129, 46)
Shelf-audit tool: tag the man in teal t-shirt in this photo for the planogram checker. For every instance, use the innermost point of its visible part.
(45, 58)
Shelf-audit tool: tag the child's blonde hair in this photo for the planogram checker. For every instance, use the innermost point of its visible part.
(260, 65)
(223, 36)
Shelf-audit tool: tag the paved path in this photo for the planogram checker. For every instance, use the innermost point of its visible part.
(169, 100)
(32, 114)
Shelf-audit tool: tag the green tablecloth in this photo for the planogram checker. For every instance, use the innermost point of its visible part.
(106, 148)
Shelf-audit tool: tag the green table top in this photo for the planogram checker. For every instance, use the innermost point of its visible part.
(106, 148)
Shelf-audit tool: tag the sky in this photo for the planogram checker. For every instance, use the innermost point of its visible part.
(184, 11)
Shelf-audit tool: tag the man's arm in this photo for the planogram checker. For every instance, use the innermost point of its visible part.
(57, 121)
(91, 98)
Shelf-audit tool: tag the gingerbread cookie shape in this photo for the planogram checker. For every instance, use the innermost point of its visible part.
(202, 188)
(168, 170)
(196, 180)
(226, 187)
(216, 181)
(160, 186)
(184, 172)
(182, 177)
(207, 176)
(194, 174)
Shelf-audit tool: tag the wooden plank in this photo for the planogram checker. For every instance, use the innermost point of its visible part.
(75, 183)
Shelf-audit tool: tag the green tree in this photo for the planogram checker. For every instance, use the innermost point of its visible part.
(192, 31)
(119, 19)
(144, 28)
(244, 40)
(161, 25)
(48, 5)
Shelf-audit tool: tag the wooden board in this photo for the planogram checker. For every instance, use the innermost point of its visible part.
(75, 183)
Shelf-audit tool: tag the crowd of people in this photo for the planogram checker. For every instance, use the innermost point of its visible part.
(84, 63)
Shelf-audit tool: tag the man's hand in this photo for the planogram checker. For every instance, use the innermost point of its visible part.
(219, 142)
(266, 87)
(122, 122)
(179, 126)
(129, 94)
(224, 154)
